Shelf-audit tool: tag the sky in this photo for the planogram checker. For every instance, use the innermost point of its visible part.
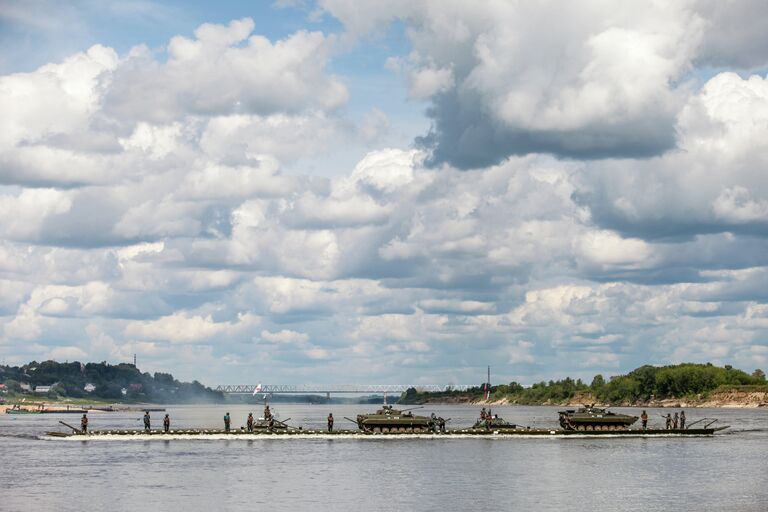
(338, 191)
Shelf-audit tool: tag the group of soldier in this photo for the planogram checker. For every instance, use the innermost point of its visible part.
(147, 423)
(249, 424)
(676, 422)
(487, 416)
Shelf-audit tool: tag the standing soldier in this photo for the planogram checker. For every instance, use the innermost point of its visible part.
(146, 421)
(669, 421)
(330, 422)
(675, 421)
(644, 419)
(249, 422)
(226, 422)
(267, 413)
(166, 424)
(682, 420)
(84, 424)
(482, 414)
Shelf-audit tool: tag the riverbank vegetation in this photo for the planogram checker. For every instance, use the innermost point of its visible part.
(642, 385)
(52, 381)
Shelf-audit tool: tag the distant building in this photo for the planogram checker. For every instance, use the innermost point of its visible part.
(135, 387)
(3, 388)
(25, 387)
(42, 389)
(89, 388)
(123, 391)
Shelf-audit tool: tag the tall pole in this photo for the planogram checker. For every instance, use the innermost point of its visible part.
(488, 384)
(134, 360)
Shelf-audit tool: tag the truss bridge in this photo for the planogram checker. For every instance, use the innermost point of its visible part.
(327, 389)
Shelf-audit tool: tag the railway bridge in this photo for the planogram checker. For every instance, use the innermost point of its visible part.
(327, 389)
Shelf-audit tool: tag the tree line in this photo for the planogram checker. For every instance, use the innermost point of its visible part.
(641, 384)
(120, 382)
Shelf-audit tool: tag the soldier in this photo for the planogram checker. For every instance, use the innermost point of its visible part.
(675, 421)
(669, 421)
(441, 424)
(644, 420)
(166, 424)
(267, 413)
(84, 424)
(249, 422)
(482, 414)
(682, 420)
(146, 421)
(271, 422)
(226, 422)
(330, 422)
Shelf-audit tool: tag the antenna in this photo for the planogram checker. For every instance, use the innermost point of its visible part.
(488, 384)
(134, 361)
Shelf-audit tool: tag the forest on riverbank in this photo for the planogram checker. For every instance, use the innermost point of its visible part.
(123, 382)
(687, 381)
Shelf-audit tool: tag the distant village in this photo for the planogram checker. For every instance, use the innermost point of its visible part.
(99, 381)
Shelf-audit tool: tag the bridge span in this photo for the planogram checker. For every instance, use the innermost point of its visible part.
(327, 389)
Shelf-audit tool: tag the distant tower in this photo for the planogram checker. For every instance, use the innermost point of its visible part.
(134, 362)
(488, 385)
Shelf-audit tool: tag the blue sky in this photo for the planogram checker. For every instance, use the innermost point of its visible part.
(348, 191)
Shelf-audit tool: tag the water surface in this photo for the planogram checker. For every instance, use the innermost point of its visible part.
(725, 472)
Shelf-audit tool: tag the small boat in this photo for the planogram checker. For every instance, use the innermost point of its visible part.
(64, 411)
(20, 410)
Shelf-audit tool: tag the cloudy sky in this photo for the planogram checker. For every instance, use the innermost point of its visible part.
(391, 192)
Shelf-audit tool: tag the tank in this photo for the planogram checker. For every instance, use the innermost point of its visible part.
(262, 424)
(388, 419)
(493, 423)
(593, 418)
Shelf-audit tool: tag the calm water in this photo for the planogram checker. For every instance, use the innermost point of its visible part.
(727, 472)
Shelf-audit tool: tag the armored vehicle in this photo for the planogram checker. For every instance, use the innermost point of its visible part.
(493, 423)
(388, 419)
(593, 418)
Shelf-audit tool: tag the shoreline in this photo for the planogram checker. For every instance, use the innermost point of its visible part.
(730, 399)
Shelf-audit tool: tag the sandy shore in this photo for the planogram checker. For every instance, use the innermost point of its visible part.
(52, 407)
(727, 399)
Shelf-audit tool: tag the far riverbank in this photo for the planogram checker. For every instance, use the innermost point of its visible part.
(731, 398)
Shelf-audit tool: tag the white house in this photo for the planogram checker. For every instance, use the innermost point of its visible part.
(25, 387)
(42, 389)
(89, 388)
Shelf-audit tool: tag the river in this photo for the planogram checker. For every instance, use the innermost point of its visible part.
(726, 472)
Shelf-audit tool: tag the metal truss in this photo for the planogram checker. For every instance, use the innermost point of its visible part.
(363, 389)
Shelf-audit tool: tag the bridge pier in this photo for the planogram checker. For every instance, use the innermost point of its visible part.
(328, 397)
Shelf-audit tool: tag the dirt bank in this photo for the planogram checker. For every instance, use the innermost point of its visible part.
(725, 398)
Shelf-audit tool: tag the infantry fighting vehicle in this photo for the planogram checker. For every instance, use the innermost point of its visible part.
(388, 419)
(493, 423)
(593, 418)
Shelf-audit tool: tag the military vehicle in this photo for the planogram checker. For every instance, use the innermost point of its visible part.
(493, 423)
(593, 418)
(388, 419)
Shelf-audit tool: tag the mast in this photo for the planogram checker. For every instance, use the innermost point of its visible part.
(488, 384)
